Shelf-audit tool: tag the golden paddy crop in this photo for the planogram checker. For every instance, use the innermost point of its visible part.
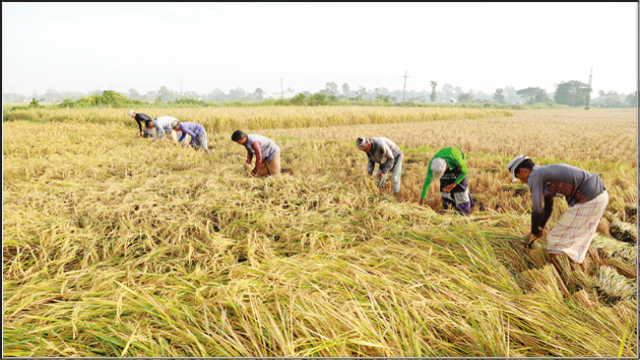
(264, 117)
(113, 246)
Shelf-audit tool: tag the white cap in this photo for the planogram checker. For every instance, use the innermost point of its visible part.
(438, 166)
(130, 113)
(514, 164)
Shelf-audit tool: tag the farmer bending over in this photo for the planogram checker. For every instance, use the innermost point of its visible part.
(140, 118)
(387, 154)
(585, 194)
(266, 151)
(196, 131)
(450, 166)
(162, 126)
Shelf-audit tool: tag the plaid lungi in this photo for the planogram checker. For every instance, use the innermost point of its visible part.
(573, 233)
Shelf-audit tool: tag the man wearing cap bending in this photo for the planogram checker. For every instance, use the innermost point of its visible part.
(585, 194)
(387, 155)
(141, 118)
(450, 166)
(266, 151)
(197, 133)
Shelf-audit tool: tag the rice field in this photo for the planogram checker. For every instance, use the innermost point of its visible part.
(113, 246)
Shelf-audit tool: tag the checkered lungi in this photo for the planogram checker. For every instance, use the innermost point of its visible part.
(573, 233)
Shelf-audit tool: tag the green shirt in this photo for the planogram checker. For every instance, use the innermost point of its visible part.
(455, 160)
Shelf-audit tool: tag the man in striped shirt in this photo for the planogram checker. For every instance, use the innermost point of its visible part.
(266, 151)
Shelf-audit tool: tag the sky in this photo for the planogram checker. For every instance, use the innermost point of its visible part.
(479, 46)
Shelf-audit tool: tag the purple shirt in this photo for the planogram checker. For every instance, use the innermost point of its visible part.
(192, 129)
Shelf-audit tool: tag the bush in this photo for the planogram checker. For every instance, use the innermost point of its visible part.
(298, 99)
(317, 99)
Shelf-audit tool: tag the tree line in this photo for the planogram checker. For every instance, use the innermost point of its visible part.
(572, 93)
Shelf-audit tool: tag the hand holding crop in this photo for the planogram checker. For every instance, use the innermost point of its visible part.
(448, 188)
(531, 238)
(381, 175)
(139, 133)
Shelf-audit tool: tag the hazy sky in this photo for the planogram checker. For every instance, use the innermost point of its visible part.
(77, 46)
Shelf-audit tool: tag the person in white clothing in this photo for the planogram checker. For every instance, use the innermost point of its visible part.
(162, 125)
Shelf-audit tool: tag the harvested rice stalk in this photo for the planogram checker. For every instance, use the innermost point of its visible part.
(608, 247)
(624, 232)
(613, 287)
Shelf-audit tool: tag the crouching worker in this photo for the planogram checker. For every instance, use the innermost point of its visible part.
(450, 166)
(196, 131)
(162, 125)
(585, 194)
(142, 118)
(387, 154)
(266, 151)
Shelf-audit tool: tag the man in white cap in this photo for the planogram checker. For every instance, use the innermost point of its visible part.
(585, 194)
(162, 125)
(140, 118)
(449, 165)
(387, 154)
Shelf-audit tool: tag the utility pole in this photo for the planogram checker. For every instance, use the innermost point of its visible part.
(405, 85)
(180, 86)
(281, 90)
(586, 103)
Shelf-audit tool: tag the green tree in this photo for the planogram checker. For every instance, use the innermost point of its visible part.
(237, 94)
(331, 88)
(317, 99)
(362, 92)
(345, 90)
(609, 99)
(384, 98)
(433, 95)
(572, 92)
(498, 96)
(217, 95)
(632, 99)
(464, 98)
(298, 99)
(35, 103)
(134, 94)
(259, 94)
(447, 91)
(166, 94)
(151, 96)
(533, 95)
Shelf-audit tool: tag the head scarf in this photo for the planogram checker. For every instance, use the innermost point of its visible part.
(362, 143)
(438, 166)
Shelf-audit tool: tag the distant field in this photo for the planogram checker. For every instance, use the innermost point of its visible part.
(267, 117)
(113, 246)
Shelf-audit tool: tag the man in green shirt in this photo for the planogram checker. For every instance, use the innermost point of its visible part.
(450, 166)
